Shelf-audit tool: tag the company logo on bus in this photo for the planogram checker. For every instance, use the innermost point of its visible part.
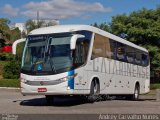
(39, 67)
(42, 83)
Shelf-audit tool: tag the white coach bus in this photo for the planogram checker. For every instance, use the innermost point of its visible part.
(82, 60)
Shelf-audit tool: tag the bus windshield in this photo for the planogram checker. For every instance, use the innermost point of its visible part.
(51, 53)
(47, 53)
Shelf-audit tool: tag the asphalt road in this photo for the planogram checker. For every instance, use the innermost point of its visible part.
(12, 102)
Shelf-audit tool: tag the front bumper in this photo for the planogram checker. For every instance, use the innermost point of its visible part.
(59, 89)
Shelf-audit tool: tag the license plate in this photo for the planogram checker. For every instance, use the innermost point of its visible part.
(42, 89)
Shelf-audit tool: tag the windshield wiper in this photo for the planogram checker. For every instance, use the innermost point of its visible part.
(52, 65)
(48, 52)
(50, 61)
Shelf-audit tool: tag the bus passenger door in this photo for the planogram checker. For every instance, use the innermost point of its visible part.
(80, 57)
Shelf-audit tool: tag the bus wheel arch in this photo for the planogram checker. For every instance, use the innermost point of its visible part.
(97, 82)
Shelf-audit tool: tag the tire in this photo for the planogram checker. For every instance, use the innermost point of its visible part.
(49, 99)
(94, 92)
(134, 96)
(136, 93)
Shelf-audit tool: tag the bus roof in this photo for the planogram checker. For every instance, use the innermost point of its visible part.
(72, 28)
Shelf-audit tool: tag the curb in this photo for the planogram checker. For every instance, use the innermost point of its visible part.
(10, 88)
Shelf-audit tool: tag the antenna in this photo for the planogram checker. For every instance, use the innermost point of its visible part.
(37, 18)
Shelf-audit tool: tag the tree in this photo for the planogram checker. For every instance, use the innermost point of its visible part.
(16, 34)
(7, 34)
(142, 28)
(4, 28)
(103, 26)
(31, 25)
(23, 34)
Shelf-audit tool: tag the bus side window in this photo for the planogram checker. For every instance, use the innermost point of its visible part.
(145, 59)
(81, 52)
(78, 54)
(85, 46)
(130, 54)
(112, 50)
(108, 48)
(121, 55)
(98, 47)
(138, 58)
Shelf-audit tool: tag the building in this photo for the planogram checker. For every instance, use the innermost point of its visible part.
(47, 23)
(20, 26)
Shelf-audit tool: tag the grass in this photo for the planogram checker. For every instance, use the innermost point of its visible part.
(10, 83)
(155, 86)
(151, 93)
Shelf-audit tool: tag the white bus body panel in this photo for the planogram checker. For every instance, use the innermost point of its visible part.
(113, 77)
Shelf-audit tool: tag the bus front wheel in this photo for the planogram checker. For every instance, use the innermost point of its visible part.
(94, 91)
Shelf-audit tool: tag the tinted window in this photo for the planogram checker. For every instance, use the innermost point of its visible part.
(138, 57)
(98, 46)
(130, 54)
(121, 54)
(80, 54)
(145, 59)
(105, 47)
(112, 51)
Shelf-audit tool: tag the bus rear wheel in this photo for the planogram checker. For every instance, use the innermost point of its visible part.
(49, 99)
(94, 92)
(136, 93)
(134, 96)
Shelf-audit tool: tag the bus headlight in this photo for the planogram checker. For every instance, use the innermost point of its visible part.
(68, 78)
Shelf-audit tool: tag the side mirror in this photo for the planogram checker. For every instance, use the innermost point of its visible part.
(14, 46)
(74, 39)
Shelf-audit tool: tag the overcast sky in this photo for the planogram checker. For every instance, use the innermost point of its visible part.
(71, 11)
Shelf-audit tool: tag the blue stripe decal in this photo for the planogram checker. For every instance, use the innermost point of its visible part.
(71, 81)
